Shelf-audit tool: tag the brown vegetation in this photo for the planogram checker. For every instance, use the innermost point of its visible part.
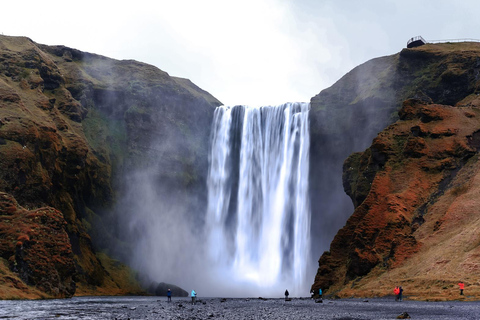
(70, 124)
(417, 225)
(35, 245)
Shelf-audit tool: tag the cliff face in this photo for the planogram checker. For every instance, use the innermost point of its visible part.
(73, 123)
(346, 117)
(414, 188)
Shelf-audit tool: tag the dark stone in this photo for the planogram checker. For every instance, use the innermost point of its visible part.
(404, 316)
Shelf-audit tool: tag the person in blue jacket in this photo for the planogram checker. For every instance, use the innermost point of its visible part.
(194, 296)
(169, 295)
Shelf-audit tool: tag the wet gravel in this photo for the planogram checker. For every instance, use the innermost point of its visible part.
(217, 308)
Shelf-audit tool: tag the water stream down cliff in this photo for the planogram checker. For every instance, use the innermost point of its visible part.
(258, 207)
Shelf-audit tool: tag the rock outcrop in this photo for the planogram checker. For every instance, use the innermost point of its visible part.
(413, 189)
(36, 246)
(72, 123)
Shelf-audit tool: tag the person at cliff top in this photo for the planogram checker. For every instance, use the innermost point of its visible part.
(194, 296)
(169, 295)
(462, 286)
(396, 292)
(286, 294)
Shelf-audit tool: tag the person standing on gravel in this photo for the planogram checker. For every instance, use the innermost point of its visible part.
(194, 296)
(461, 285)
(286, 295)
(396, 292)
(169, 295)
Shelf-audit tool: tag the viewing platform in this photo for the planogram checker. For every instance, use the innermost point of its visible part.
(416, 42)
(419, 41)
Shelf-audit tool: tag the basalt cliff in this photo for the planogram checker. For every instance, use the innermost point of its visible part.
(72, 124)
(414, 187)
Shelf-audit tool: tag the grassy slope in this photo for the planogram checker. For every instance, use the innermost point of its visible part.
(446, 73)
(99, 137)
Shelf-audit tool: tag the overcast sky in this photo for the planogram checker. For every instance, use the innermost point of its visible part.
(254, 52)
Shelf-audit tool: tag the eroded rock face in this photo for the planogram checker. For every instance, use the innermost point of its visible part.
(395, 184)
(36, 245)
(73, 123)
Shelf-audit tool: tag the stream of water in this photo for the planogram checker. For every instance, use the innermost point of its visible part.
(258, 210)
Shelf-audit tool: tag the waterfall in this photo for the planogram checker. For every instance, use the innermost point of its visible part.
(258, 214)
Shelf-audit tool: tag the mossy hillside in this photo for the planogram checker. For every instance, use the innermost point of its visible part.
(106, 137)
(413, 191)
(36, 245)
(72, 123)
(445, 72)
(137, 95)
(346, 117)
(123, 280)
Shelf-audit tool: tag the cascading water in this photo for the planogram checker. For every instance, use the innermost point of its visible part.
(258, 208)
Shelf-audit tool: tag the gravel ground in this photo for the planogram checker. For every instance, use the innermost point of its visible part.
(217, 308)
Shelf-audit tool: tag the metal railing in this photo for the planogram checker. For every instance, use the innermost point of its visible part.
(453, 40)
(416, 39)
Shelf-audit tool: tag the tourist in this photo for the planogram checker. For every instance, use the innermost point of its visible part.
(319, 299)
(396, 292)
(286, 295)
(462, 286)
(169, 295)
(400, 293)
(194, 296)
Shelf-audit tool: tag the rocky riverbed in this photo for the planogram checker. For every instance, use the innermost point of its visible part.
(220, 308)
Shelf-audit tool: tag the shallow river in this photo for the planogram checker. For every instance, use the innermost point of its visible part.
(214, 308)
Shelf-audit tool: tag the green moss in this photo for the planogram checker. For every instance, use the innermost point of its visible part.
(123, 276)
(135, 109)
(136, 87)
(107, 137)
(25, 73)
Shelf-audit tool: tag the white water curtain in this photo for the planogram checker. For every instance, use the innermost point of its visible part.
(258, 207)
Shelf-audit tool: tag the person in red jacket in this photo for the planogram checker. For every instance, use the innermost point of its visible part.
(396, 291)
(462, 286)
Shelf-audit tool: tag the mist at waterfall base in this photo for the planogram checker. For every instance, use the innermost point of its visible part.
(253, 237)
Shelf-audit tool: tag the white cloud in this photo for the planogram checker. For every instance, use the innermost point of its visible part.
(243, 52)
